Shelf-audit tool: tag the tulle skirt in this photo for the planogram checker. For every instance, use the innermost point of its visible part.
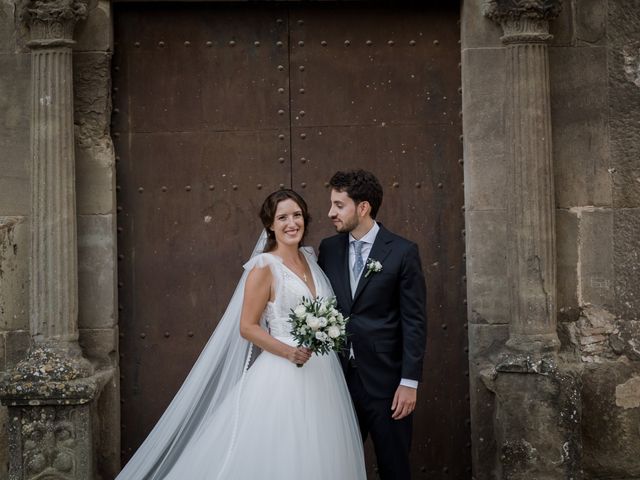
(281, 423)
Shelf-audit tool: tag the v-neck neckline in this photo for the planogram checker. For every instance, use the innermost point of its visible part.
(313, 279)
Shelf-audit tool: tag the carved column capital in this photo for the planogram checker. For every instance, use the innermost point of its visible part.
(51, 22)
(523, 21)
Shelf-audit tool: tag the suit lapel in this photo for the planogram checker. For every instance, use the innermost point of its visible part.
(342, 267)
(379, 251)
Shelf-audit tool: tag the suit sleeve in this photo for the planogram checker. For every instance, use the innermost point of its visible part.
(413, 314)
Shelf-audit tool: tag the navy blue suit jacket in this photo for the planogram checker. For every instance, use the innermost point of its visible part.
(387, 314)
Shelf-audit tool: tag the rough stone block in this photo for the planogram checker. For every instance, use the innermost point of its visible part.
(485, 344)
(596, 257)
(483, 80)
(96, 271)
(92, 102)
(476, 29)
(623, 32)
(4, 443)
(15, 108)
(95, 33)
(487, 294)
(579, 113)
(590, 22)
(626, 338)
(611, 442)
(108, 430)
(567, 259)
(14, 273)
(544, 442)
(588, 335)
(51, 442)
(95, 179)
(562, 27)
(7, 26)
(95, 164)
(17, 343)
(626, 225)
(100, 345)
(483, 442)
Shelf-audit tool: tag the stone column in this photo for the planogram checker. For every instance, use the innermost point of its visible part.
(54, 272)
(50, 391)
(536, 395)
(531, 206)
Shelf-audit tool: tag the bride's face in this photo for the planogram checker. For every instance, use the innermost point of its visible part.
(288, 224)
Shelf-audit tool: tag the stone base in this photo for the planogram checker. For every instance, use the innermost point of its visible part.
(537, 418)
(51, 374)
(50, 442)
(51, 395)
(543, 342)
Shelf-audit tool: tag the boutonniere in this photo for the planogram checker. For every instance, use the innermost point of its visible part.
(373, 266)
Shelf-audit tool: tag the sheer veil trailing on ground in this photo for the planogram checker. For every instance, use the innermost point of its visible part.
(219, 368)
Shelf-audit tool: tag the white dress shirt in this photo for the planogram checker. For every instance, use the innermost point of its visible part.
(367, 244)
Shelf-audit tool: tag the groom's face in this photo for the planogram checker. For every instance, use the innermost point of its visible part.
(343, 212)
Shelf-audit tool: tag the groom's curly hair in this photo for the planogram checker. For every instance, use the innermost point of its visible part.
(361, 186)
(268, 214)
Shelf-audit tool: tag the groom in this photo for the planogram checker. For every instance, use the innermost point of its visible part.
(378, 281)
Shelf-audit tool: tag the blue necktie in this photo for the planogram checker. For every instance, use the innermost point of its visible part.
(358, 265)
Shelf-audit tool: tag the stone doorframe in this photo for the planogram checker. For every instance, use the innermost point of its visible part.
(57, 389)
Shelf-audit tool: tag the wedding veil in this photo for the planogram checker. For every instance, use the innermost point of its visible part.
(219, 368)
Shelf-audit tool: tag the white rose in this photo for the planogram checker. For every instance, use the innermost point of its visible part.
(334, 332)
(313, 322)
(322, 336)
(322, 310)
(323, 322)
(300, 311)
(332, 320)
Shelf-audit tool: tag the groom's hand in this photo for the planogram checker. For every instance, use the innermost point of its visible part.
(404, 402)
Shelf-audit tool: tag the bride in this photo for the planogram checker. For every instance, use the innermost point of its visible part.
(245, 410)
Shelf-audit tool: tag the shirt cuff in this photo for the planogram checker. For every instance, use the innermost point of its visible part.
(405, 382)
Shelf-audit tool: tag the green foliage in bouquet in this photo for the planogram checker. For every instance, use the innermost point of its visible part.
(318, 325)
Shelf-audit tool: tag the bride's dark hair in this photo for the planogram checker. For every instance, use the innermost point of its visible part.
(268, 214)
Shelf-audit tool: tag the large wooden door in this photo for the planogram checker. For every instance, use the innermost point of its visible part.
(217, 105)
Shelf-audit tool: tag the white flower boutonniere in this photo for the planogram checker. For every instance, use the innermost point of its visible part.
(373, 266)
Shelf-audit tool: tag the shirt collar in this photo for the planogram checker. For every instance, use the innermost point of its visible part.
(368, 237)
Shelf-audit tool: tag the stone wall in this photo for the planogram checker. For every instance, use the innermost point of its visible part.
(95, 175)
(95, 188)
(594, 63)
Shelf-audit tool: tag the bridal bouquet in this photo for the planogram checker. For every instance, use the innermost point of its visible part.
(318, 325)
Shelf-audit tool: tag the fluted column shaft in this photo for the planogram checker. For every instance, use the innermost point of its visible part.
(532, 252)
(54, 277)
(531, 199)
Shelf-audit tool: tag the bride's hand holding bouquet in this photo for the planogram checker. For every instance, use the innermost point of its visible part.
(318, 326)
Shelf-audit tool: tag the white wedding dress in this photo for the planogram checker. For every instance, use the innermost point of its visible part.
(276, 422)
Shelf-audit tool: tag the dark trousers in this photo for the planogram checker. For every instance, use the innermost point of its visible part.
(391, 438)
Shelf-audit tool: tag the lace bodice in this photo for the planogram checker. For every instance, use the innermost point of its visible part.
(289, 290)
